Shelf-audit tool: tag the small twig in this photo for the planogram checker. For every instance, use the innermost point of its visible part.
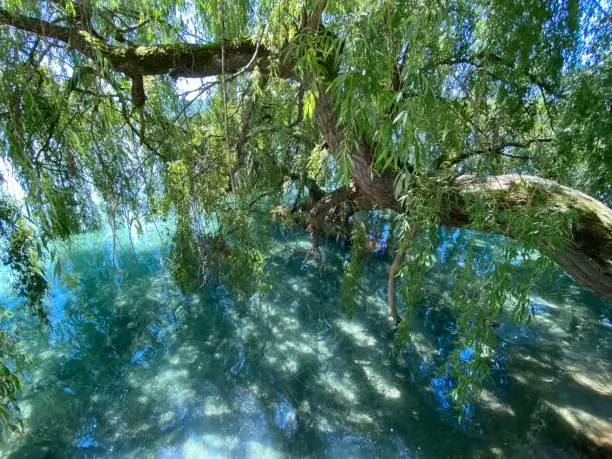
(447, 162)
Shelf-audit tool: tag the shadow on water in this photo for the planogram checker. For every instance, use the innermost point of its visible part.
(551, 381)
(134, 368)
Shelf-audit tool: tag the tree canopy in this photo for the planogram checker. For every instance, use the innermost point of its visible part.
(230, 116)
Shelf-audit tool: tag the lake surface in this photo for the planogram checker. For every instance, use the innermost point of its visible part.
(133, 368)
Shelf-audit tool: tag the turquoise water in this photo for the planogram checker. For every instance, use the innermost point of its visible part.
(133, 368)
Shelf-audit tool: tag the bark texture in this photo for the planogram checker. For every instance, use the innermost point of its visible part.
(588, 256)
(176, 59)
(326, 208)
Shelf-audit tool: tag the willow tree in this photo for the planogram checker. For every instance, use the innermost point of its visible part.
(489, 115)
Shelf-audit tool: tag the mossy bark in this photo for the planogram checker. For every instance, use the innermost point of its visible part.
(175, 59)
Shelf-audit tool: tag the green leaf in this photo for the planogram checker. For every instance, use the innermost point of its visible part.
(4, 371)
(398, 186)
(70, 8)
(310, 101)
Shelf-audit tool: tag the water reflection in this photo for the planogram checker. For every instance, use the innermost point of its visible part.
(131, 367)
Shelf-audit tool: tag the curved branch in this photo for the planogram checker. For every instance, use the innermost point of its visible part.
(587, 257)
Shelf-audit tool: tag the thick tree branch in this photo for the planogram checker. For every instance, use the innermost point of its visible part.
(587, 257)
(367, 181)
(177, 59)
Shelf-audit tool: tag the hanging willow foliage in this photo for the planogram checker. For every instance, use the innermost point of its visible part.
(221, 117)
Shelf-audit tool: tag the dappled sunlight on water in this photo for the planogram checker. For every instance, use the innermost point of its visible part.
(132, 367)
